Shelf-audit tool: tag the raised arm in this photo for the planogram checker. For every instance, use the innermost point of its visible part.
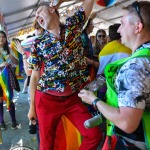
(87, 5)
(20, 49)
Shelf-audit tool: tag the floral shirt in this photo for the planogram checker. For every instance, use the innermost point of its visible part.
(133, 82)
(64, 61)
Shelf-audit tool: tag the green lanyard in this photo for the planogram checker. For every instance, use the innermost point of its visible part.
(146, 128)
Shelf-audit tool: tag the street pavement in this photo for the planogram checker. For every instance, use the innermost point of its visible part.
(19, 137)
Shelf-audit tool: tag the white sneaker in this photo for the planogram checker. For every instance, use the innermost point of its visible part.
(24, 91)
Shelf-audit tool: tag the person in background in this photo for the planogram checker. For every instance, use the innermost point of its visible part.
(87, 44)
(88, 48)
(22, 50)
(55, 92)
(26, 52)
(113, 50)
(19, 68)
(128, 94)
(92, 38)
(6, 58)
(101, 39)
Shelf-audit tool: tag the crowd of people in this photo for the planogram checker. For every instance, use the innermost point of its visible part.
(63, 60)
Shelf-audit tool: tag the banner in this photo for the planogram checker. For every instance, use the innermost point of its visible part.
(6, 86)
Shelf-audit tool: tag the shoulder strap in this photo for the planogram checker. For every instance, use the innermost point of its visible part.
(146, 128)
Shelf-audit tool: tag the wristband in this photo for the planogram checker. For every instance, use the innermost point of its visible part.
(95, 102)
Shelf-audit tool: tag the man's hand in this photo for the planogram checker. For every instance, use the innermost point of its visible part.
(87, 96)
(31, 113)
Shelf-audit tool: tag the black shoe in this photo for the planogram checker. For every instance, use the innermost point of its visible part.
(14, 126)
(3, 126)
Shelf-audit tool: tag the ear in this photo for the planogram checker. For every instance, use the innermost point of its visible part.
(138, 27)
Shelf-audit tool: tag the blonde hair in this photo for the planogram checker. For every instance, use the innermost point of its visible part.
(36, 26)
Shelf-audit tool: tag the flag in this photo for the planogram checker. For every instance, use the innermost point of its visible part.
(73, 136)
(67, 136)
(19, 67)
(20, 78)
(6, 86)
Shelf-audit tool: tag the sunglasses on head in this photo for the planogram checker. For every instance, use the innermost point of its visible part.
(136, 6)
(103, 36)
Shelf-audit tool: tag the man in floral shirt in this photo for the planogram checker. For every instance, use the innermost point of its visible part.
(128, 94)
(55, 92)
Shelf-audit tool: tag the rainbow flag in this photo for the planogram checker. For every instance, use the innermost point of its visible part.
(67, 136)
(19, 67)
(73, 136)
(5, 84)
(20, 78)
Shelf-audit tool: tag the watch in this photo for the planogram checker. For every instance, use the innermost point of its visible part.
(95, 102)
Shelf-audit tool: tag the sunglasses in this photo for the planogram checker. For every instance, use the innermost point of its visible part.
(103, 36)
(136, 6)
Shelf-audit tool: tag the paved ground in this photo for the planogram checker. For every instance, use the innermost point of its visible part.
(20, 137)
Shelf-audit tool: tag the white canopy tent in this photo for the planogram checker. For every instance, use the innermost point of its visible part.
(20, 14)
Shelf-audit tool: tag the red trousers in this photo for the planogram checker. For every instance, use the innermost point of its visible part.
(49, 111)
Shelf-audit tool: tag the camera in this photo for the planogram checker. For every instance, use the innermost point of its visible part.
(32, 126)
